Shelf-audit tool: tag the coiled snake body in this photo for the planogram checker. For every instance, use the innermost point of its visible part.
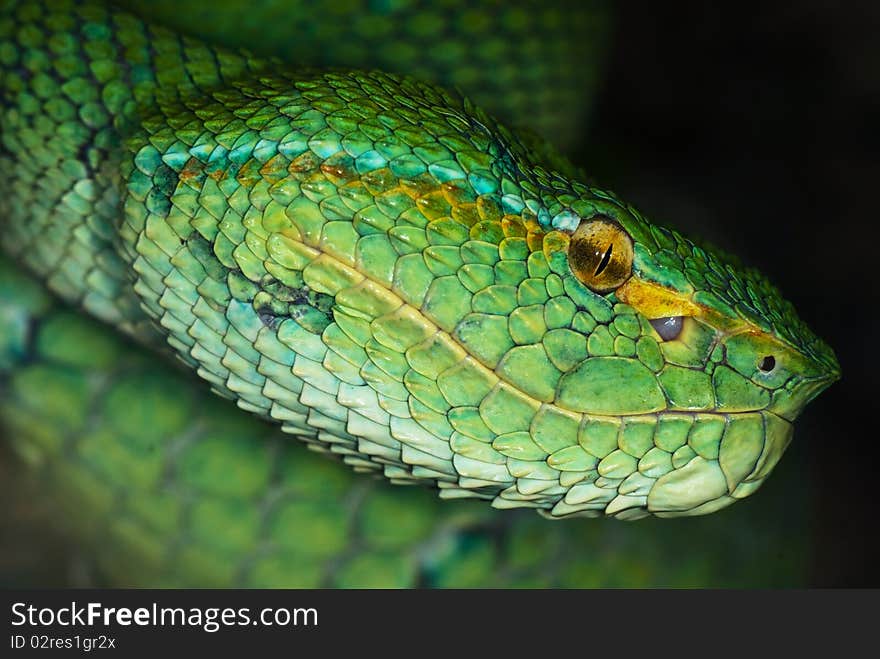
(386, 271)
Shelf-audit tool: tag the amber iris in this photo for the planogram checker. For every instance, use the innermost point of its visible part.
(600, 254)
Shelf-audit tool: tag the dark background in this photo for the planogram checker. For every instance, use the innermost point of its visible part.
(757, 128)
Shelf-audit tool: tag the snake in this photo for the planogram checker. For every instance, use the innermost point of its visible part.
(364, 257)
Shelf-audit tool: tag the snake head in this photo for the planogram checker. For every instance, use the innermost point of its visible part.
(704, 351)
(376, 263)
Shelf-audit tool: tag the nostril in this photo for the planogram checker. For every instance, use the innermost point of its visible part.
(767, 364)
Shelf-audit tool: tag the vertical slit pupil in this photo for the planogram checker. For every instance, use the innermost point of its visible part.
(606, 258)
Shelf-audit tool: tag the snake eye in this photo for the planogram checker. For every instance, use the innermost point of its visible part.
(767, 364)
(668, 328)
(600, 254)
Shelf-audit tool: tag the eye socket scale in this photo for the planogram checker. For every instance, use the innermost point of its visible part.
(600, 254)
(668, 328)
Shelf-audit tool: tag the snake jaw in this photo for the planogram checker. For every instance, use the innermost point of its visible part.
(744, 462)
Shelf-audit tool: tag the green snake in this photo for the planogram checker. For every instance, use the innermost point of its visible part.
(383, 269)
